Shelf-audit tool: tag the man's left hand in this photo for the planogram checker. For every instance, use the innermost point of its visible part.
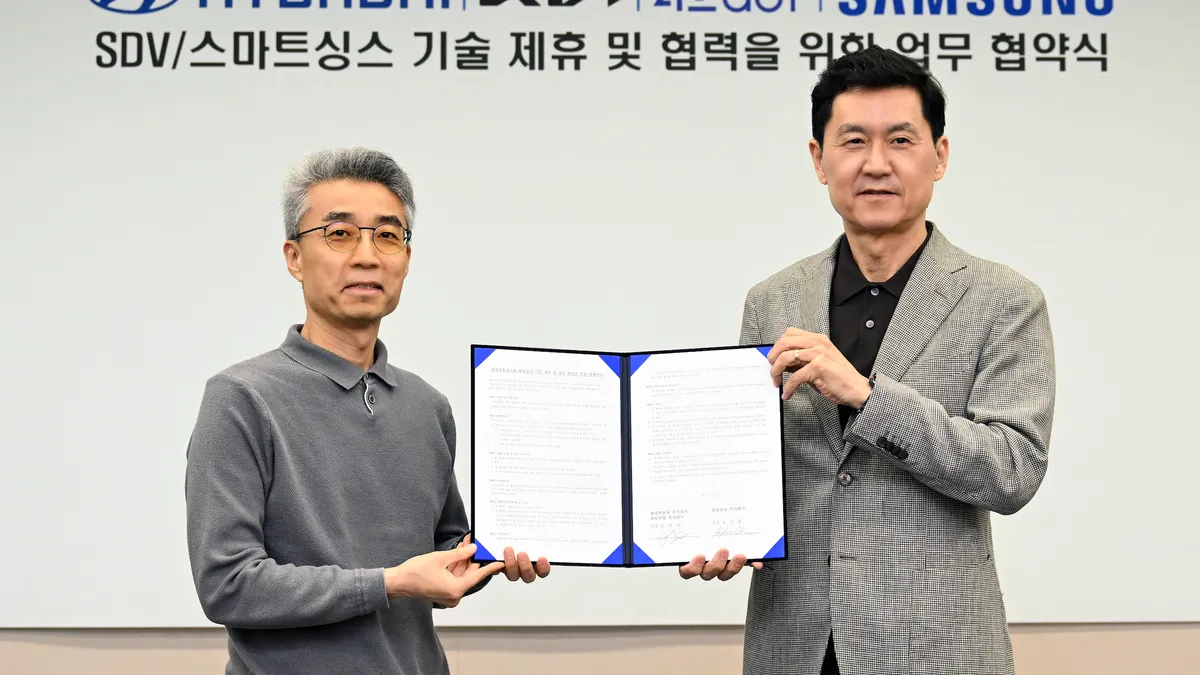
(812, 359)
(516, 565)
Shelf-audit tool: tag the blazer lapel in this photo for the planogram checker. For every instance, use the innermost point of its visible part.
(931, 292)
(808, 306)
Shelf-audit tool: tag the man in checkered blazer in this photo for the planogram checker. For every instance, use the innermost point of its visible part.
(920, 394)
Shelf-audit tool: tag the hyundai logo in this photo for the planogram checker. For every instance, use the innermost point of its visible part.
(133, 6)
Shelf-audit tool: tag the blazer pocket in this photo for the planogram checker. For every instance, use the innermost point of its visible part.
(762, 632)
(958, 621)
(945, 362)
(762, 589)
(945, 376)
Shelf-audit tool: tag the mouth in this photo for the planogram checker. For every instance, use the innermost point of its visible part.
(877, 193)
(365, 287)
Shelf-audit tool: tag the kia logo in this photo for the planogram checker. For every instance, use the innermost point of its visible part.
(133, 6)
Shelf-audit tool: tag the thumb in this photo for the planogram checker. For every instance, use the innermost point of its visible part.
(459, 554)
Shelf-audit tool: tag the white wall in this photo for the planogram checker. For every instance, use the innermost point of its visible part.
(144, 254)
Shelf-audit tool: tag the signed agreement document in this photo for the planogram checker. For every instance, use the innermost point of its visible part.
(626, 459)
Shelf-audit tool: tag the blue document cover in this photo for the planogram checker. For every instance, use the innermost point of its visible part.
(633, 459)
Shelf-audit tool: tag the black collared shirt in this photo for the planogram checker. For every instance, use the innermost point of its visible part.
(860, 310)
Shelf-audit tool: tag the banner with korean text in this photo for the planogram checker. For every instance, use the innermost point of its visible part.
(588, 173)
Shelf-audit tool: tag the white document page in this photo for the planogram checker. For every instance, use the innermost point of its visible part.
(547, 462)
(707, 458)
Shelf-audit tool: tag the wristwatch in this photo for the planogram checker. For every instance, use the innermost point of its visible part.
(870, 381)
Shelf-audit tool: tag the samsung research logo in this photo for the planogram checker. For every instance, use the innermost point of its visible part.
(133, 6)
(976, 7)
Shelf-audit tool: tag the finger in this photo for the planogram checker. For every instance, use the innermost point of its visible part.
(525, 568)
(795, 359)
(756, 565)
(792, 338)
(465, 540)
(779, 365)
(456, 555)
(798, 378)
(471, 578)
(457, 568)
(783, 343)
(732, 568)
(510, 565)
(693, 568)
(792, 359)
(543, 567)
(714, 566)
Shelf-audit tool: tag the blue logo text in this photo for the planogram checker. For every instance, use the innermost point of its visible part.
(133, 6)
(977, 7)
(325, 4)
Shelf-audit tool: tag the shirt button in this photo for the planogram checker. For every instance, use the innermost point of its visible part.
(870, 323)
(371, 398)
(845, 478)
(874, 291)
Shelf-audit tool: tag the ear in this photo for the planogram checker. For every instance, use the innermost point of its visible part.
(294, 259)
(814, 149)
(943, 157)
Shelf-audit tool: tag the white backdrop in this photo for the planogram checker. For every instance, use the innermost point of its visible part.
(615, 209)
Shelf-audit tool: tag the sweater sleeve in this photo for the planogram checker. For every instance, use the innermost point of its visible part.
(453, 525)
(229, 468)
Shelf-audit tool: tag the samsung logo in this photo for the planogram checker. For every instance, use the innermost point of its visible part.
(977, 7)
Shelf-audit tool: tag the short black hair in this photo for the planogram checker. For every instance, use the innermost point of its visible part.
(876, 68)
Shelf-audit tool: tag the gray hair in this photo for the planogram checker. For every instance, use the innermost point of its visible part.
(361, 164)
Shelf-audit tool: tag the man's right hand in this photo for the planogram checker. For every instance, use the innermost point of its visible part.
(720, 567)
(430, 576)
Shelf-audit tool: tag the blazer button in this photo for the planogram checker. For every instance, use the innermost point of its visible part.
(901, 453)
(845, 478)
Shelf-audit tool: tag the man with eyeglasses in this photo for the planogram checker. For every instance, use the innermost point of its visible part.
(324, 521)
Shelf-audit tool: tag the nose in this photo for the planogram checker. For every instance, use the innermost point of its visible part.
(877, 161)
(364, 253)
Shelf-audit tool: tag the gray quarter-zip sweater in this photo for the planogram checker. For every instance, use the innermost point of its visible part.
(306, 477)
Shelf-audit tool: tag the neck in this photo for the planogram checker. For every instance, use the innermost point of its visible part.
(356, 345)
(881, 254)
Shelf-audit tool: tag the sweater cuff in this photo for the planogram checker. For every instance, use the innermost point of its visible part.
(374, 590)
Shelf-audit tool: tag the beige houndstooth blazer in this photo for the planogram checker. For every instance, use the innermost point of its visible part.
(890, 540)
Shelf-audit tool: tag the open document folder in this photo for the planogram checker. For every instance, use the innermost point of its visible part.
(615, 459)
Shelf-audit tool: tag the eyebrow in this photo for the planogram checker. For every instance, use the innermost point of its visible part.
(339, 216)
(859, 129)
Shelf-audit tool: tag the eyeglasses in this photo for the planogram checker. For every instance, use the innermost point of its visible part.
(343, 237)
